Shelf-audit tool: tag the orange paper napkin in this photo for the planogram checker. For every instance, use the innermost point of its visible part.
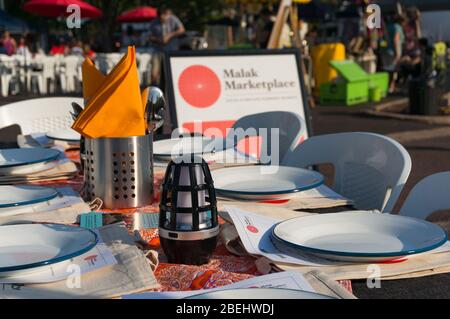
(114, 103)
(92, 79)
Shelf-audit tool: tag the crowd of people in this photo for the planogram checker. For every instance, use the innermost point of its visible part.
(26, 46)
(400, 47)
(398, 44)
(163, 34)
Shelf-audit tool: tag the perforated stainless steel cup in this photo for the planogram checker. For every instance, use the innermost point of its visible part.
(119, 171)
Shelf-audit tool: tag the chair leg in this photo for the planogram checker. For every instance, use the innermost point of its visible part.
(42, 84)
(63, 84)
(5, 85)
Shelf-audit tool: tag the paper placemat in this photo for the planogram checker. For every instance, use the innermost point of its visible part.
(320, 197)
(429, 263)
(98, 257)
(132, 274)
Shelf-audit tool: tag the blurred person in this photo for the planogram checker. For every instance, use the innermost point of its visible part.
(165, 29)
(394, 49)
(411, 28)
(264, 28)
(77, 48)
(59, 47)
(131, 37)
(88, 52)
(22, 48)
(8, 43)
(163, 36)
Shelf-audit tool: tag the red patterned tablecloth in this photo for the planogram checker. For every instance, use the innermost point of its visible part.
(223, 268)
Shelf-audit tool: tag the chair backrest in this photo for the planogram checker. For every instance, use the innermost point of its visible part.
(285, 127)
(143, 61)
(39, 115)
(49, 65)
(9, 64)
(72, 64)
(369, 169)
(430, 195)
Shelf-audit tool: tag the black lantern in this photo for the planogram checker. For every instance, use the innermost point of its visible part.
(188, 224)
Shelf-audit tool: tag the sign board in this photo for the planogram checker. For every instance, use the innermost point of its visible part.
(219, 87)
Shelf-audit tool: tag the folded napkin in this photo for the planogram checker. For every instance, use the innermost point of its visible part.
(92, 79)
(114, 103)
(320, 197)
(64, 169)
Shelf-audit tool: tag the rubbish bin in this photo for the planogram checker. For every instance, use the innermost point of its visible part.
(424, 97)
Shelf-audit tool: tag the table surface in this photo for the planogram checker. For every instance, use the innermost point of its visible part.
(225, 268)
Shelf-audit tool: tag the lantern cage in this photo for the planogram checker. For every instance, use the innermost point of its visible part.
(188, 222)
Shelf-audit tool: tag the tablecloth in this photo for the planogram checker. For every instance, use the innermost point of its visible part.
(223, 268)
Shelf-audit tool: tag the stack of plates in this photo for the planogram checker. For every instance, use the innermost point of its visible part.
(260, 182)
(32, 248)
(198, 145)
(19, 197)
(66, 135)
(358, 236)
(24, 161)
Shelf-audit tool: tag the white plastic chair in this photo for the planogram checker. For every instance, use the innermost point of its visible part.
(105, 62)
(8, 74)
(370, 169)
(45, 75)
(430, 195)
(39, 115)
(70, 76)
(290, 129)
(144, 63)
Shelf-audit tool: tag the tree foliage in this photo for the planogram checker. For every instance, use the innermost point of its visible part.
(193, 13)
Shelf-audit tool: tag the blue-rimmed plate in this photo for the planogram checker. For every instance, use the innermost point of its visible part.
(67, 135)
(13, 196)
(263, 182)
(28, 246)
(359, 236)
(168, 148)
(25, 160)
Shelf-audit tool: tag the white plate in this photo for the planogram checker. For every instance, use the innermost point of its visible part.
(259, 293)
(13, 196)
(67, 135)
(27, 246)
(188, 145)
(26, 160)
(360, 236)
(263, 183)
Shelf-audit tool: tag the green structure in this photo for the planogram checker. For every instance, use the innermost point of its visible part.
(353, 85)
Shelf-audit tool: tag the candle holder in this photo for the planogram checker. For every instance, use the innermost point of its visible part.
(188, 223)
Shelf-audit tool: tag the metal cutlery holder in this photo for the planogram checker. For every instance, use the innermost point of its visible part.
(119, 171)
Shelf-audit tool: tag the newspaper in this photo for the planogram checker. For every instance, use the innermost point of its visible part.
(285, 279)
(255, 233)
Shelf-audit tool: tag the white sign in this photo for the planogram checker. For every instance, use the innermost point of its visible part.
(218, 90)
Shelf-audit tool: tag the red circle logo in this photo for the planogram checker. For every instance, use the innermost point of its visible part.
(199, 86)
(252, 229)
